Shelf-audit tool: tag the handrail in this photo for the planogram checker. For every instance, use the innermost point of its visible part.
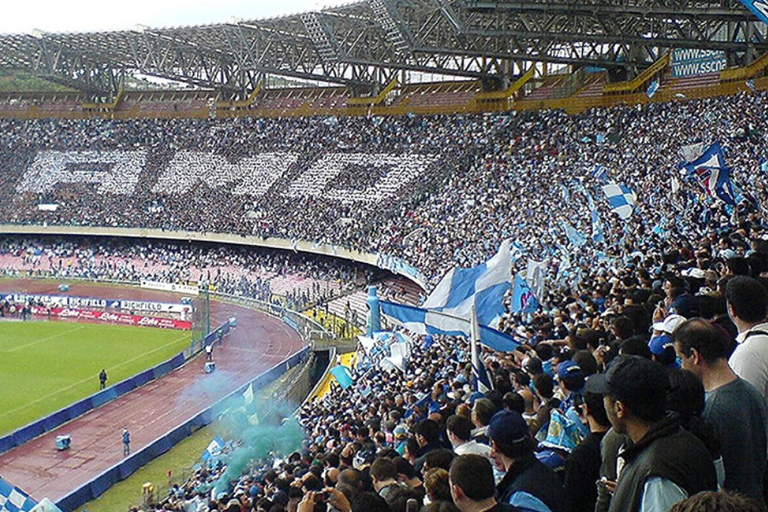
(635, 83)
(240, 104)
(378, 99)
(506, 94)
(106, 106)
(747, 71)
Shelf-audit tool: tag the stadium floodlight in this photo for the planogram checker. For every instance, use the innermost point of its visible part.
(140, 28)
(37, 33)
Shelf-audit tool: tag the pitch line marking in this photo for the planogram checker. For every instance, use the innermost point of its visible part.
(47, 338)
(46, 397)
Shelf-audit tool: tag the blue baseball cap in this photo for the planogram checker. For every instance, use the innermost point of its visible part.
(568, 369)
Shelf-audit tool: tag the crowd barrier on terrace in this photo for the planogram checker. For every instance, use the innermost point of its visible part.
(58, 418)
(128, 466)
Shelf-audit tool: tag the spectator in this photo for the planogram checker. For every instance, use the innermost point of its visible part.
(472, 485)
(459, 430)
(734, 407)
(665, 463)
(747, 300)
(527, 483)
(582, 468)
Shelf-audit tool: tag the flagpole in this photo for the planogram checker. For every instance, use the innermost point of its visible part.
(474, 352)
(474, 331)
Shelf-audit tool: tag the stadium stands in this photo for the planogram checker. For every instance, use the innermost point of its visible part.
(437, 192)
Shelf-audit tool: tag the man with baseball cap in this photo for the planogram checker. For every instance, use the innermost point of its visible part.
(666, 463)
(527, 483)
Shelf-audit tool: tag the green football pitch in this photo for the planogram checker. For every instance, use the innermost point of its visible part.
(45, 366)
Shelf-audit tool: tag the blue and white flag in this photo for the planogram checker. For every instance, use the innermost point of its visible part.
(565, 193)
(652, 88)
(712, 174)
(764, 165)
(423, 321)
(523, 299)
(343, 376)
(248, 396)
(759, 8)
(213, 450)
(516, 251)
(535, 273)
(484, 285)
(575, 237)
(751, 85)
(384, 347)
(13, 499)
(622, 199)
(46, 505)
(597, 227)
(600, 173)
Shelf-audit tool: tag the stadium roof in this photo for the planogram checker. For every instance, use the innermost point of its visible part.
(365, 45)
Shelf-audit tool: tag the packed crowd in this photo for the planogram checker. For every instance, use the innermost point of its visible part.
(639, 384)
(649, 395)
(239, 271)
(455, 213)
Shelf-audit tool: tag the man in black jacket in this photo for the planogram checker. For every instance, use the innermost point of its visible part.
(527, 483)
(582, 468)
(665, 463)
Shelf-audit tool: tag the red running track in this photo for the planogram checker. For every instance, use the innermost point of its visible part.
(258, 343)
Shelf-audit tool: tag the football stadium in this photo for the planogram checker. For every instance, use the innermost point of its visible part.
(391, 255)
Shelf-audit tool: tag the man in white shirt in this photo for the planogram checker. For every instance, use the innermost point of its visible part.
(459, 430)
(747, 301)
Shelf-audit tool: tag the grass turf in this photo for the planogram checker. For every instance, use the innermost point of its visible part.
(47, 365)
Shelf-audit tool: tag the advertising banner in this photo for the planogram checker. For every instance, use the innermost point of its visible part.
(693, 61)
(112, 318)
(170, 287)
(95, 303)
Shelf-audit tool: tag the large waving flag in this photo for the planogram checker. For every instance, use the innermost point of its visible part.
(597, 227)
(575, 237)
(600, 173)
(423, 321)
(523, 299)
(622, 199)
(385, 348)
(343, 376)
(484, 285)
(534, 277)
(482, 382)
(712, 174)
(213, 449)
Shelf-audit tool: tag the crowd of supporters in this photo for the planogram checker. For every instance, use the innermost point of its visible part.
(640, 383)
(494, 178)
(245, 272)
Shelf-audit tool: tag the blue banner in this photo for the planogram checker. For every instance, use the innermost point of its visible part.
(759, 8)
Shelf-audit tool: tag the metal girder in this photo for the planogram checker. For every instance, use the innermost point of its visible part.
(664, 9)
(60, 60)
(365, 45)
